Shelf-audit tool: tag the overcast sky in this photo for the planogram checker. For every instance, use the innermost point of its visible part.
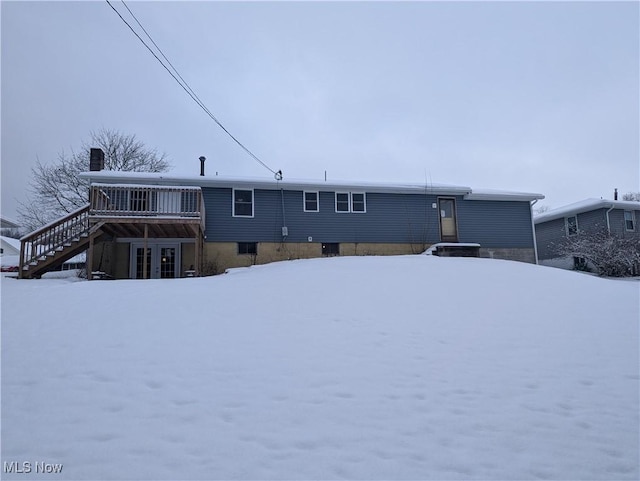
(535, 97)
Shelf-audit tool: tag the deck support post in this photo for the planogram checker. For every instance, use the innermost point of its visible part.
(144, 254)
(197, 255)
(89, 261)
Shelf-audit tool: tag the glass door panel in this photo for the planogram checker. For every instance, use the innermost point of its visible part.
(167, 262)
(140, 262)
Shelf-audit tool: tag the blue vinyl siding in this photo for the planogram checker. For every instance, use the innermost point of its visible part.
(389, 218)
(551, 234)
(496, 224)
(548, 236)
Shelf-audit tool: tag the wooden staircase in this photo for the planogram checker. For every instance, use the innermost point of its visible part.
(51, 245)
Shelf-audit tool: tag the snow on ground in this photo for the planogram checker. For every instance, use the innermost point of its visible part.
(409, 367)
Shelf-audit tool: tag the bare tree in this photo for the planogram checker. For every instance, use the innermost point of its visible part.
(633, 196)
(56, 189)
(541, 209)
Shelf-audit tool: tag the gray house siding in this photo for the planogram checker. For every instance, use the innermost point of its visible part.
(389, 218)
(494, 224)
(553, 233)
(548, 234)
(617, 222)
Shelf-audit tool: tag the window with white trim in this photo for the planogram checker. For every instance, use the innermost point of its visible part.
(242, 203)
(311, 202)
(351, 202)
(358, 203)
(572, 225)
(629, 221)
(342, 201)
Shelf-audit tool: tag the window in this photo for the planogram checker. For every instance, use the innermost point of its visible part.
(242, 203)
(629, 221)
(351, 202)
(248, 248)
(358, 202)
(580, 264)
(572, 225)
(330, 249)
(342, 202)
(311, 202)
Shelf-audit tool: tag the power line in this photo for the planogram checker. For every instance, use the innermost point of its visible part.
(185, 86)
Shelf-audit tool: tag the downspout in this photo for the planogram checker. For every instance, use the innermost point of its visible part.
(608, 223)
(533, 231)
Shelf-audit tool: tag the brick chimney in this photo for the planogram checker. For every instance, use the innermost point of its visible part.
(96, 160)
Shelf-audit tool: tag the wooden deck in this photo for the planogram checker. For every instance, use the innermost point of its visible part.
(117, 211)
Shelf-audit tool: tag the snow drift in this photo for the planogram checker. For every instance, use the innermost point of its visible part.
(409, 367)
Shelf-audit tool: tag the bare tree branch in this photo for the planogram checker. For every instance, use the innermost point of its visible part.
(56, 189)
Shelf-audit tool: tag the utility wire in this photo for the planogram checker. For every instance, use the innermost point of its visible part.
(185, 86)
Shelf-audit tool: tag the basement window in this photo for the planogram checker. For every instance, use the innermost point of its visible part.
(250, 248)
(242, 203)
(330, 249)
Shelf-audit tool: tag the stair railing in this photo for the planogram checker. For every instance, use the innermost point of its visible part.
(53, 237)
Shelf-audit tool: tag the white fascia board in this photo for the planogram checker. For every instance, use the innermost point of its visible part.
(154, 179)
(586, 205)
(483, 194)
(151, 179)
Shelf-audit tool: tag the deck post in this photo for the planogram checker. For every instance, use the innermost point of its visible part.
(144, 254)
(197, 254)
(89, 260)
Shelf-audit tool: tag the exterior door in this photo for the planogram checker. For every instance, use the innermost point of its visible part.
(167, 262)
(139, 261)
(448, 223)
(163, 261)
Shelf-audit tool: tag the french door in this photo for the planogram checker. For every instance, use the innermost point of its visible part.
(163, 260)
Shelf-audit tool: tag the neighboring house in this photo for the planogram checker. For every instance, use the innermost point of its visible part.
(8, 227)
(9, 246)
(588, 216)
(6, 223)
(201, 225)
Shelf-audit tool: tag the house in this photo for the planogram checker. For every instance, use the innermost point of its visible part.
(9, 246)
(205, 224)
(8, 227)
(554, 227)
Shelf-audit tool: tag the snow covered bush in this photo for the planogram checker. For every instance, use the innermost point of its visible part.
(611, 255)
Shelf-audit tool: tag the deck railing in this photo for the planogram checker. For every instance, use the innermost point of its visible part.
(54, 236)
(109, 200)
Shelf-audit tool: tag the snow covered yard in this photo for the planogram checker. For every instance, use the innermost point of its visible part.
(409, 367)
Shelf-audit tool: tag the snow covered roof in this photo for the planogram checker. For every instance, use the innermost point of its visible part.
(585, 206)
(15, 243)
(6, 223)
(300, 184)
